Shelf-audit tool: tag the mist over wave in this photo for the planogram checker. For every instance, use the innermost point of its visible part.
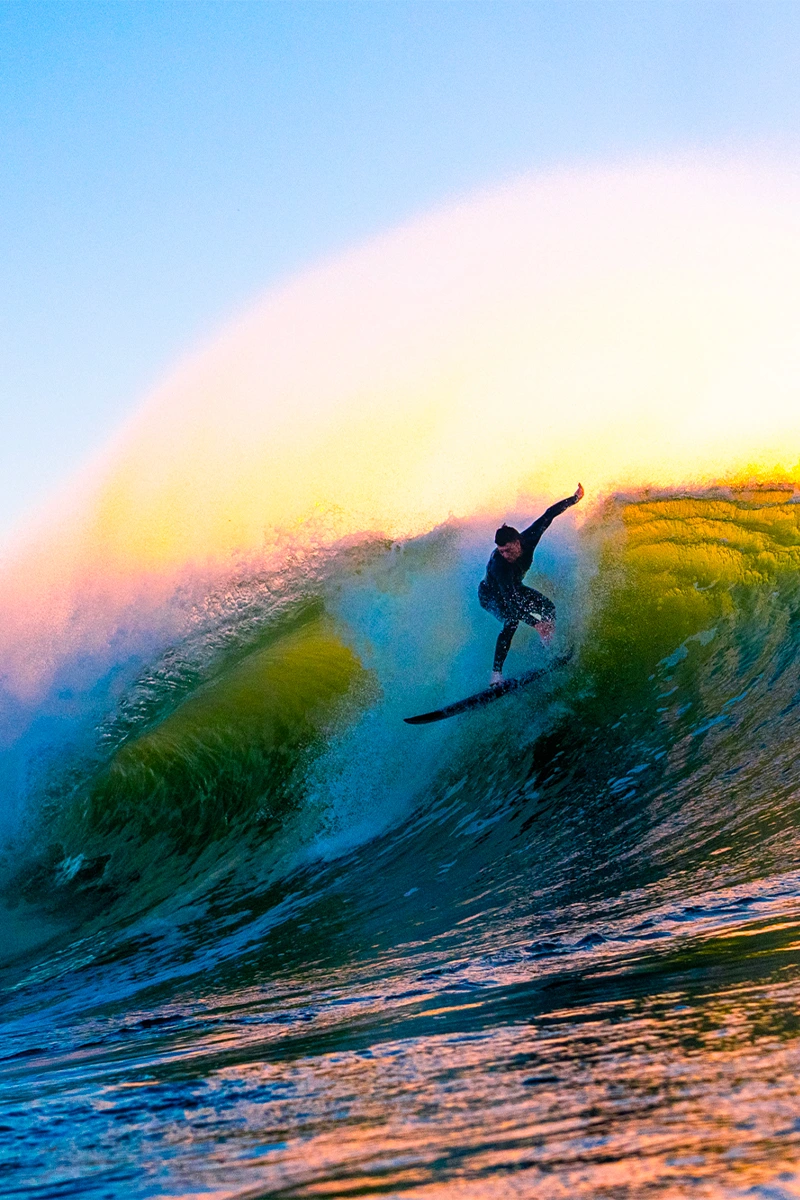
(635, 325)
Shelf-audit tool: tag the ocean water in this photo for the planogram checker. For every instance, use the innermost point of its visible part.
(261, 938)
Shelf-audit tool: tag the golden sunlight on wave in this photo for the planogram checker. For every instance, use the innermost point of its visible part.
(626, 326)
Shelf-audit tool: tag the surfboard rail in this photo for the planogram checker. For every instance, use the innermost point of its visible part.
(494, 692)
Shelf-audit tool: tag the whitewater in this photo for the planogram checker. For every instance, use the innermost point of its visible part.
(260, 937)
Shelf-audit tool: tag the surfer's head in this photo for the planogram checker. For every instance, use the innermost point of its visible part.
(508, 543)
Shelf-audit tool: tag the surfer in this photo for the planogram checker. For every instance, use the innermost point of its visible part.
(502, 593)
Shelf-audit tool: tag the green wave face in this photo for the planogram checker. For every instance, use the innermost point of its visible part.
(680, 583)
(672, 571)
(231, 751)
(682, 604)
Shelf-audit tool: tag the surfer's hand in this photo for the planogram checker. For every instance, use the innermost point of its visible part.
(579, 493)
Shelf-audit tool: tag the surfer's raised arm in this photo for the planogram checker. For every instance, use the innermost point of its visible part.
(537, 527)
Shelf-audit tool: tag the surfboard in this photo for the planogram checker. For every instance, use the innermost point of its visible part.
(488, 695)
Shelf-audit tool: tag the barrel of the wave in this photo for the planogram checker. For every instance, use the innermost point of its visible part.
(234, 753)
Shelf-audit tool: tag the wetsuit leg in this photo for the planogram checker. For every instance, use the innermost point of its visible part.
(503, 644)
(534, 607)
(531, 606)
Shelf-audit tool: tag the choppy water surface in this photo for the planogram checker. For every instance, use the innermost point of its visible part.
(262, 938)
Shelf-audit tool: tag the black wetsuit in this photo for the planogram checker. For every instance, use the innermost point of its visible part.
(504, 595)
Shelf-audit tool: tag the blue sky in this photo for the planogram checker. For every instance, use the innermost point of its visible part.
(163, 163)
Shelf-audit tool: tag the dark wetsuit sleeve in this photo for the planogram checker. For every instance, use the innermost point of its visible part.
(530, 536)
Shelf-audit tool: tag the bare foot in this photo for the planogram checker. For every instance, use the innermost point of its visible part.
(546, 629)
(495, 677)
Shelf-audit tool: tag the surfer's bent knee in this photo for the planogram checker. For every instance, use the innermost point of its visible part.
(543, 610)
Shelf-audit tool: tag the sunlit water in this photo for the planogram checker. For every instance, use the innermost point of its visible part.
(264, 939)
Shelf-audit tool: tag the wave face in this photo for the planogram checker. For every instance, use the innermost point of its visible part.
(262, 938)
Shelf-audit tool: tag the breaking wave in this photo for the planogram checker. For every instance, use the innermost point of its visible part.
(250, 869)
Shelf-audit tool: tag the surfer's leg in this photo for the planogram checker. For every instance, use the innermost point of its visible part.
(538, 610)
(488, 602)
(503, 645)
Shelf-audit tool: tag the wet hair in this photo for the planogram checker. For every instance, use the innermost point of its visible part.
(506, 534)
